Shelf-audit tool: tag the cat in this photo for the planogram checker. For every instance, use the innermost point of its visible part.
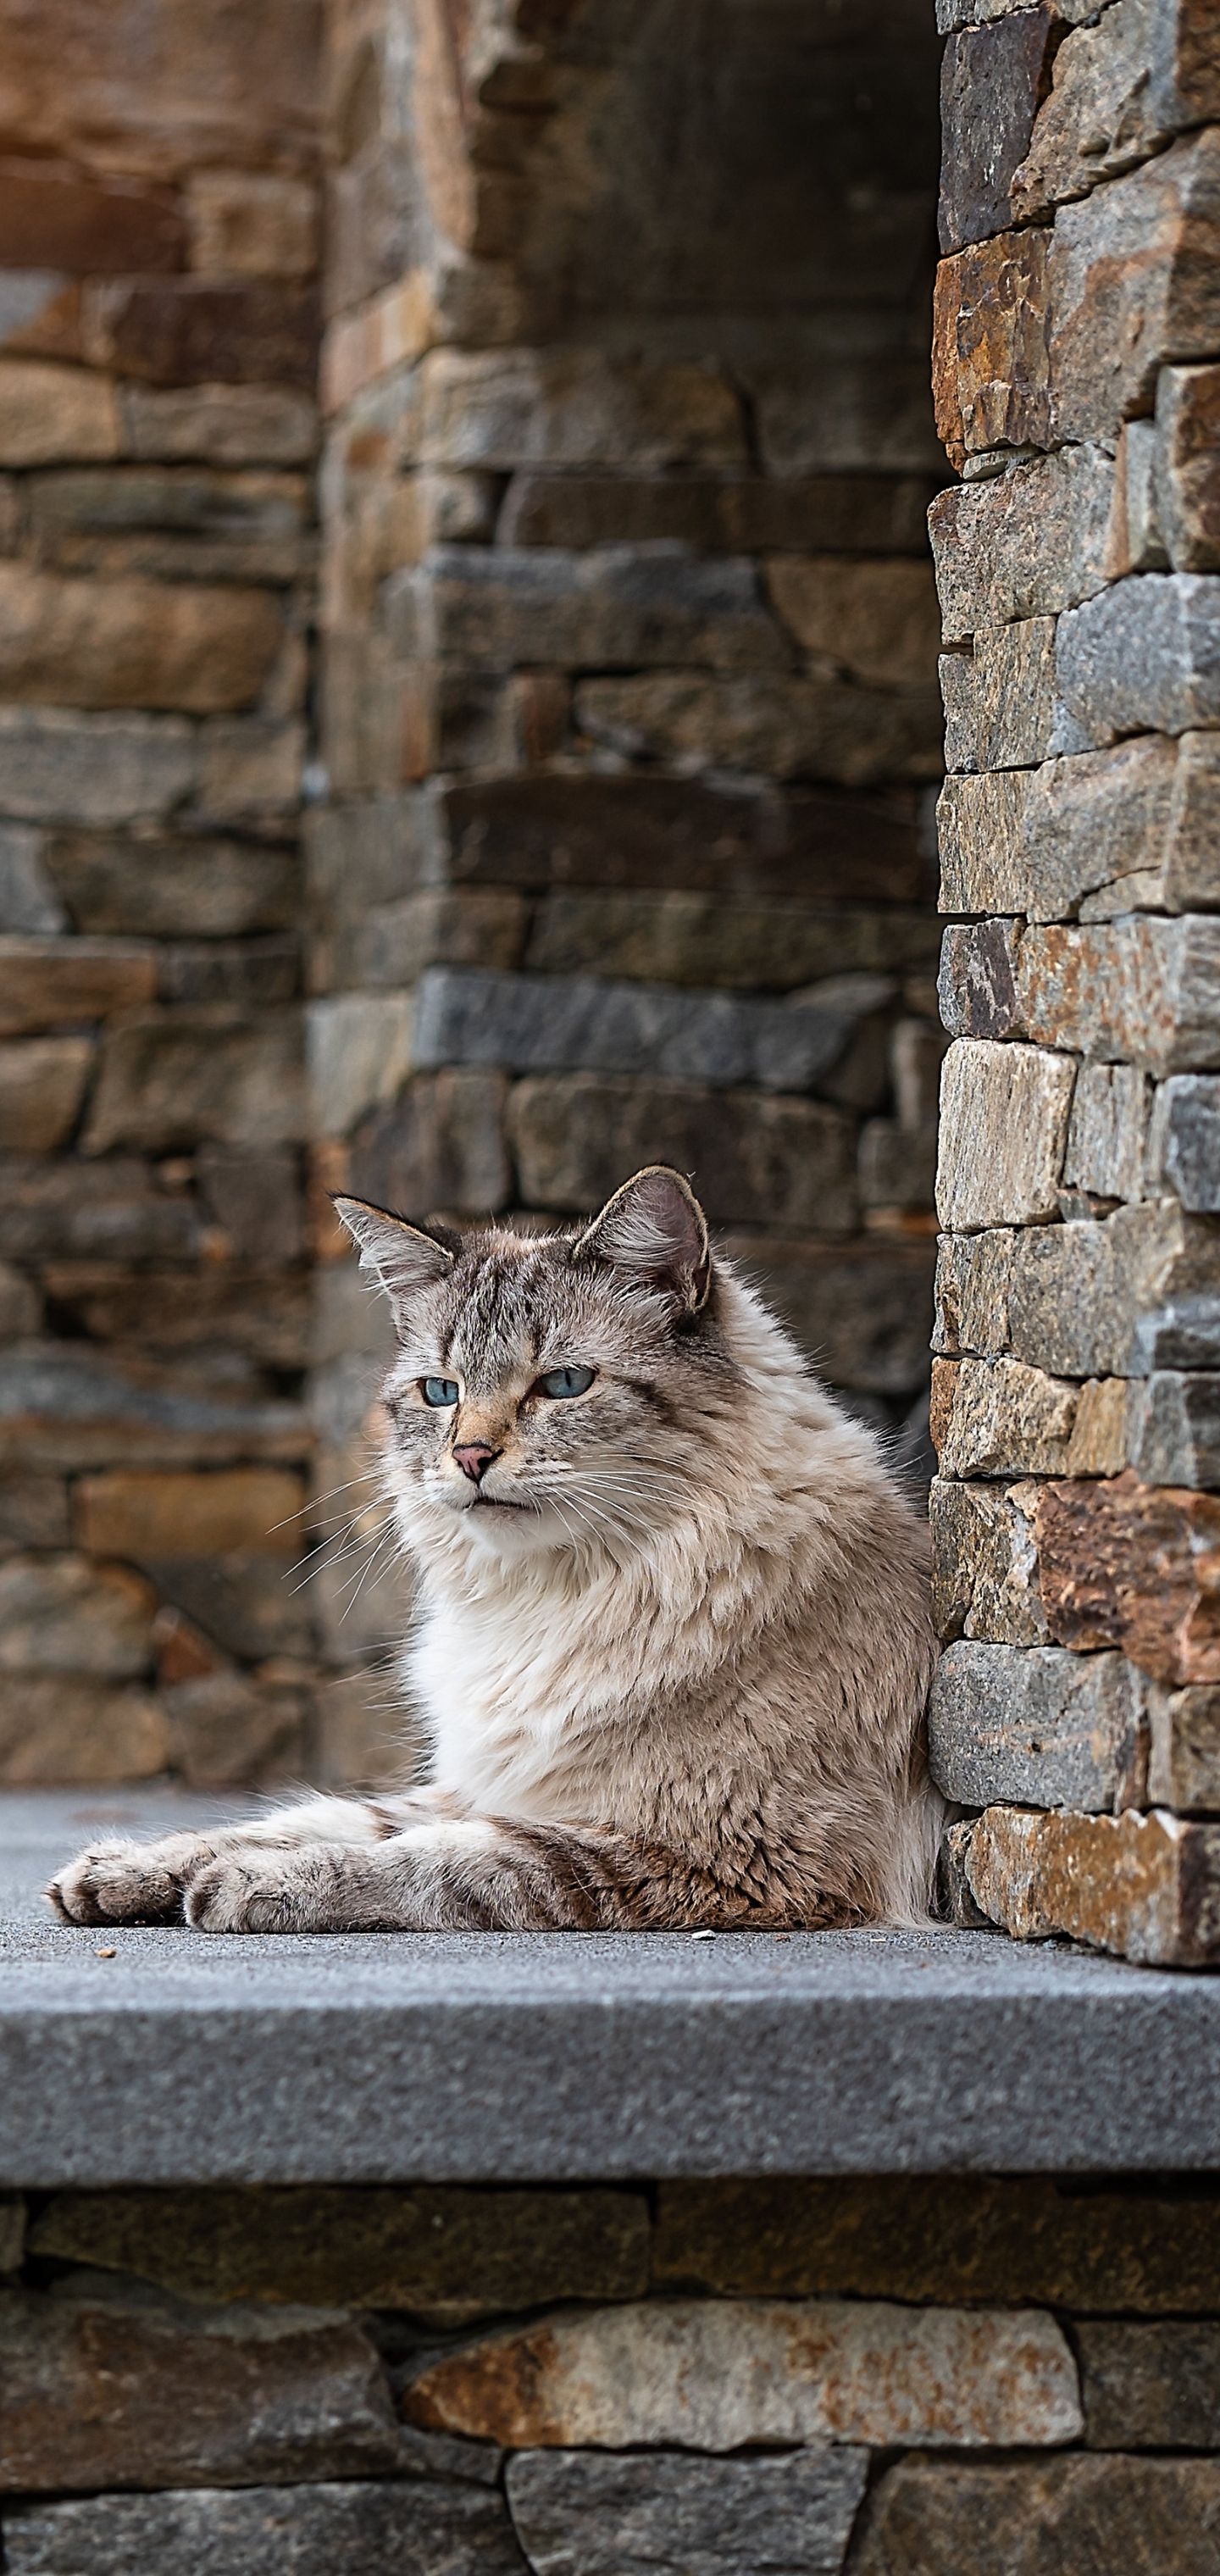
(675, 1637)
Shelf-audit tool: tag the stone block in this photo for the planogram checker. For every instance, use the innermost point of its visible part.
(61, 1614)
(861, 1311)
(1132, 282)
(172, 1079)
(246, 973)
(393, 943)
(985, 1563)
(977, 987)
(1041, 2518)
(1108, 1132)
(1122, 89)
(1144, 1887)
(553, 1023)
(1125, 1565)
(360, 1051)
(1184, 1754)
(1146, 992)
(1004, 1119)
(20, 1307)
(712, 2376)
(249, 773)
(1097, 833)
(1001, 1418)
(173, 523)
(46, 982)
(897, 1165)
(1143, 657)
(973, 1282)
(979, 820)
(247, 1601)
(204, 331)
(1183, 1142)
(73, 1731)
(1173, 1429)
(497, 606)
(1024, 543)
(1001, 700)
(858, 514)
(757, 1159)
(993, 79)
(1149, 2387)
(165, 889)
(680, 938)
(28, 898)
(42, 1087)
(449, 2256)
(96, 771)
(439, 1145)
(66, 1405)
(245, 223)
(53, 415)
(1185, 477)
(781, 726)
(218, 424)
(1089, 1300)
(246, 1311)
(501, 409)
(328, 2529)
(1038, 1727)
(227, 1731)
(110, 1211)
(579, 2515)
(877, 620)
(990, 364)
(109, 2385)
(160, 1515)
(838, 409)
(256, 1201)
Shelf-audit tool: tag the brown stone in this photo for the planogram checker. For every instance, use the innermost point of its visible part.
(20, 1307)
(53, 415)
(228, 1731)
(163, 1312)
(977, 984)
(1132, 281)
(47, 981)
(1000, 1418)
(1108, 1132)
(692, 938)
(1044, 2518)
(133, 643)
(1121, 90)
(778, 725)
(504, 408)
(1000, 700)
(259, 424)
(1144, 1887)
(990, 364)
(201, 90)
(877, 621)
(172, 523)
(155, 888)
(1184, 1759)
(392, 943)
(964, 2239)
(62, 1614)
(192, 332)
(713, 2375)
(1150, 2387)
(856, 514)
(1024, 543)
(449, 2255)
(1125, 1565)
(51, 217)
(61, 1730)
(173, 1079)
(1144, 991)
(985, 1563)
(250, 223)
(160, 1515)
(105, 1211)
(439, 1145)
(1005, 1117)
(758, 1159)
(1186, 474)
(860, 1310)
(110, 2389)
(42, 1087)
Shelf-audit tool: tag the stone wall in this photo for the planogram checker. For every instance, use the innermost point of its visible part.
(1076, 1404)
(628, 638)
(895, 2377)
(159, 328)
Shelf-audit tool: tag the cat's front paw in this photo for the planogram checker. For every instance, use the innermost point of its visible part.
(262, 1891)
(126, 1882)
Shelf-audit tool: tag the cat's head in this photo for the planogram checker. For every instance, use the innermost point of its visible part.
(552, 1391)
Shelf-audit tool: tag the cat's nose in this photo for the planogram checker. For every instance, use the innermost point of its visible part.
(474, 1459)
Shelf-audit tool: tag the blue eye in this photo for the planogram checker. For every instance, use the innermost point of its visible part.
(566, 1381)
(439, 1390)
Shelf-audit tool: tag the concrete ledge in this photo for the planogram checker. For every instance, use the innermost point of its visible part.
(564, 2056)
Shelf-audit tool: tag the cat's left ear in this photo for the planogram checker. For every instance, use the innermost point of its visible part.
(655, 1229)
(401, 1258)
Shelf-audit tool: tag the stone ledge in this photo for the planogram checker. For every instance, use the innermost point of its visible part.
(400, 2057)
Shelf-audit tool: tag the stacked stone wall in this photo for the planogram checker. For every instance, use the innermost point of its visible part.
(1076, 1402)
(892, 2378)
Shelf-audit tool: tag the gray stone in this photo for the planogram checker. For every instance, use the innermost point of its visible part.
(973, 1280)
(1025, 543)
(1122, 88)
(781, 725)
(1044, 2518)
(977, 986)
(897, 1165)
(109, 1211)
(1173, 1429)
(255, 1198)
(63, 1404)
(1096, 833)
(1184, 1333)
(219, 424)
(1184, 1141)
(62, 1614)
(28, 899)
(164, 889)
(1143, 991)
(757, 1158)
(1000, 700)
(553, 1023)
(246, 972)
(499, 409)
(1184, 1754)
(1183, 457)
(577, 2515)
(498, 606)
(838, 409)
(171, 1079)
(979, 832)
(681, 938)
(359, 1051)
(992, 80)
(1152, 2387)
(862, 1311)
(840, 513)
(1004, 1113)
(1108, 1132)
(393, 943)
(248, 1604)
(1132, 283)
(440, 1144)
(1144, 657)
(1081, 1297)
(57, 767)
(985, 1563)
(1037, 1726)
(323, 2530)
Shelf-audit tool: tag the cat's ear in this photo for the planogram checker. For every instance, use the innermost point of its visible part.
(403, 1259)
(654, 1228)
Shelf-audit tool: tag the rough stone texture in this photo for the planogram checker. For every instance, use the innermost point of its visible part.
(529, 1024)
(1132, 282)
(1098, 833)
(322, 2530)
(757, 1160)
(134, 644)
(1001, 700)
(1044, 2518)
(1173, 1428)
(1185, 492)
(1147, 1887)
(682, 938)
(977, 983)
(577, 2515)
(1094, 1300)
(1144, 991)
(1123, 1565)
(992, 81)
(170, 1080)
(1002, 1418)
(1150, 2387)
(1183, 1151)
(780, 725)
(42, 1089)
(714, 2377)
(1026, 543)
(1037, 1727)
(1142, 657)
(1184, 1757)
(1108, 1132)
(990, 365)
(447, 2255)
(1005, 1112)
(985, 1564)
(1121, 89)
(877, 620)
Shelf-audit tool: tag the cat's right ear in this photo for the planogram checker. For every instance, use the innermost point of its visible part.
(403, 1259)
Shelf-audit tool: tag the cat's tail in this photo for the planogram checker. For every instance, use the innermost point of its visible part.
(910, 1867)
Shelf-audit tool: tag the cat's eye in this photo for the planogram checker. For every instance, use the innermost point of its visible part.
(566, 1381)
(439, 1390)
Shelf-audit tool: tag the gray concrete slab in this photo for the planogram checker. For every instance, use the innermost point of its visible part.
(463, 2057)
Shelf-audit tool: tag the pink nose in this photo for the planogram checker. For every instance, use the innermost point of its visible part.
(475, 1459)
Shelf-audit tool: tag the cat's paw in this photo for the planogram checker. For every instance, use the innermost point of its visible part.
(262, 1891)
(126, 1882)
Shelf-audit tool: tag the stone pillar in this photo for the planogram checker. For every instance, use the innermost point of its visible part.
(1076, 1405)
(158, 346)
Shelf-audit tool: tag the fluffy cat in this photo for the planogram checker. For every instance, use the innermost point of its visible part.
(675, 1639)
